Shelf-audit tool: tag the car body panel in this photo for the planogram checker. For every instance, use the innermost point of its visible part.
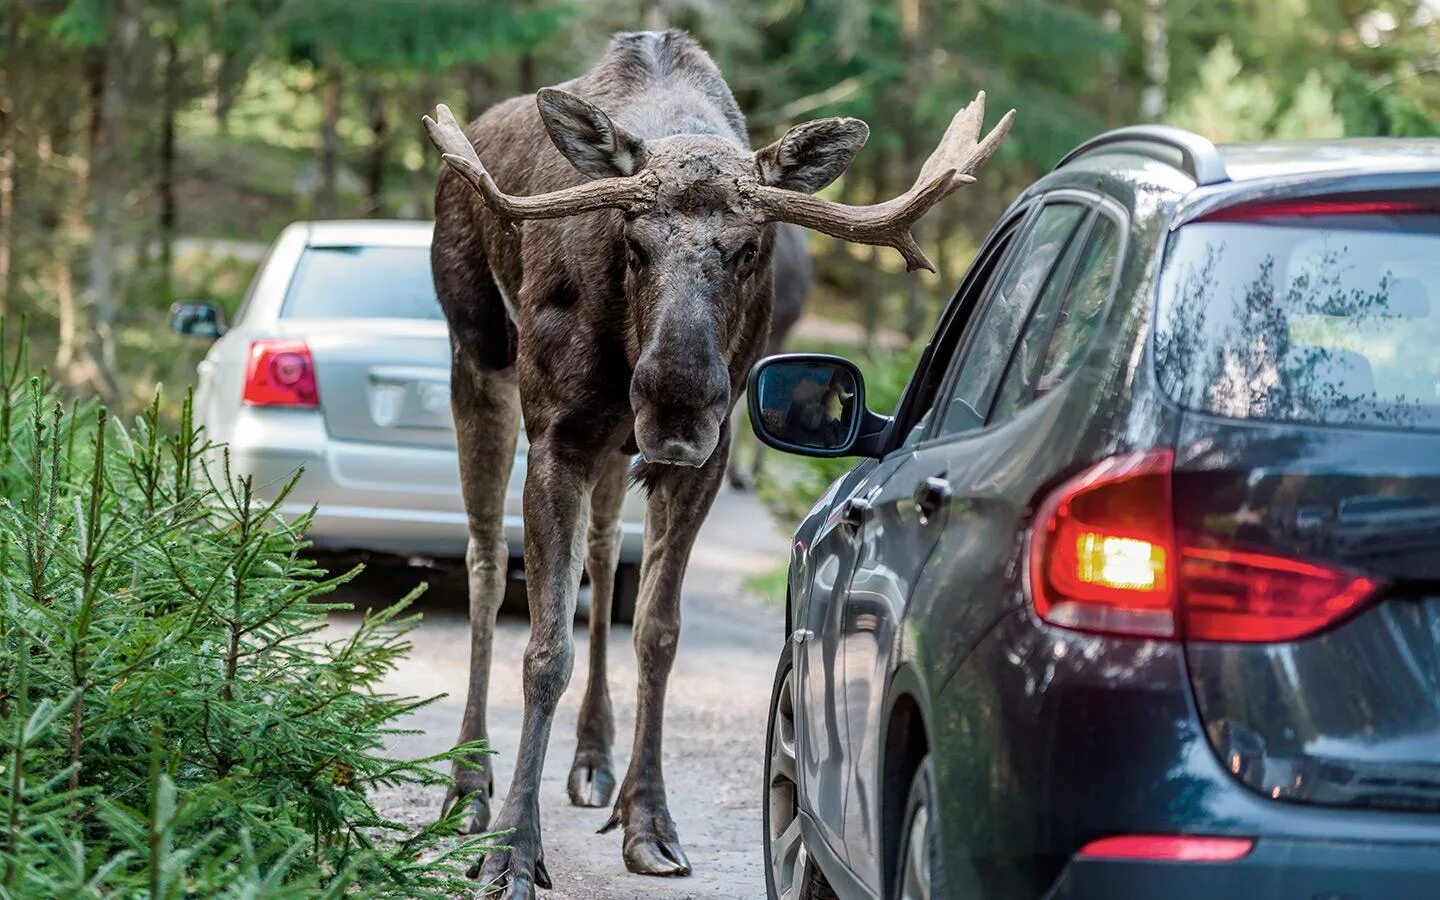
(1288, 720)
(1045, 739)
(378, 456)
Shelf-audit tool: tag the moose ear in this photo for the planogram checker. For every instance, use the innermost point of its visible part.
(811, 155)
(587, 137)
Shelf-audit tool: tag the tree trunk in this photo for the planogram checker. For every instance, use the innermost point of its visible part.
(1155, 49)
(379, 152)
(526, 71)
(914, 19)
(8, 164)
(169, 210)
(654, 15)
(478, 91)
(11, 105)
(108, 70)
(327, 199)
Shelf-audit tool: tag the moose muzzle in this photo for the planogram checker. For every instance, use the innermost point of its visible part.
(680, 394)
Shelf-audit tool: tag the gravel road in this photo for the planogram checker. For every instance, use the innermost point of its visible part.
(714, 722)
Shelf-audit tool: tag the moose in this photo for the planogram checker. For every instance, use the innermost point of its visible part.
(606, 273)
(793, 275)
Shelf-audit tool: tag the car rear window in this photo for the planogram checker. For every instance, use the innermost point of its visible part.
(1328, 317)
(362, 283)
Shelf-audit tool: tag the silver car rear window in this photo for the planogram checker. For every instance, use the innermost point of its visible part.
(362, 283)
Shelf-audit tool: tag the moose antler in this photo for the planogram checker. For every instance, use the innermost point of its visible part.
(959, 155)
(632, 193)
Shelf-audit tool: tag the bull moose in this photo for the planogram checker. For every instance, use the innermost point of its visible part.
(607, 272)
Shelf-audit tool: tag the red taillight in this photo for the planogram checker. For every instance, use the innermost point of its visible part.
(280, 373)
(1171, 847)
(1320, 207)
(1232, 596)
(1104, 557)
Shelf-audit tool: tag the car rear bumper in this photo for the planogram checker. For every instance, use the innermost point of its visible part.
(1313, 870)
(1053, 739)
(375, 497)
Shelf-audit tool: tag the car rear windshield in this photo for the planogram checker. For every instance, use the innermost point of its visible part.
(362, 283)
(1325, 317)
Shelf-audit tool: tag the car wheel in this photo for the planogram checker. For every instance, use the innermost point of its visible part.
(919, 874)
(627, 593)
(790, 873)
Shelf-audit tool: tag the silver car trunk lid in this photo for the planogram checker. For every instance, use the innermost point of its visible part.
(381, 380)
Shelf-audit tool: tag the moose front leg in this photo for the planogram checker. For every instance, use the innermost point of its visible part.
(557, 486)
(679, 500)
(487, 420)
(592, 775)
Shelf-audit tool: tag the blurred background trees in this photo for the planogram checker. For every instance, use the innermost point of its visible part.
(149, 149)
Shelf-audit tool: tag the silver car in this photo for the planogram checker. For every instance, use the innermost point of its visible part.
(338, 362)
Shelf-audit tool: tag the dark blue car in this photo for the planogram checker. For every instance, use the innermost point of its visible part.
(1137, 592)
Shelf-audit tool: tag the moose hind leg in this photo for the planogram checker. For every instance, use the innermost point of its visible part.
(679, 500)
(487, 420)
(592, 775)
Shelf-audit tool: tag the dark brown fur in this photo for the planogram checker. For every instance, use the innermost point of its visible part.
(593, 348)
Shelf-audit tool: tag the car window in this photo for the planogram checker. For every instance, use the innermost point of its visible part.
(992, 337)
(917, 405)
(1312, 316)
(362, 283)
(1064, 321)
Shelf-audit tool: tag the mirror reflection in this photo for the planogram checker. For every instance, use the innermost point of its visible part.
(196, 318)
(809, 403)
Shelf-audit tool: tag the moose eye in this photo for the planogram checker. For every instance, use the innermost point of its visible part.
(747, 254)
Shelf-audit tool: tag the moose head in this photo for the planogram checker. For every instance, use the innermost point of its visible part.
(695, 239)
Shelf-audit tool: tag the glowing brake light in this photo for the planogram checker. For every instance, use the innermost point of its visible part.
(1104, 557)
(1172, 847)
(280, 372)
(1125, 563)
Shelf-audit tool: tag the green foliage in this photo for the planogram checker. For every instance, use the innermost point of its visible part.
(174, 719)
(1228, 105)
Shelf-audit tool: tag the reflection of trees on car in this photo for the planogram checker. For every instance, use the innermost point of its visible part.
(1269, 333)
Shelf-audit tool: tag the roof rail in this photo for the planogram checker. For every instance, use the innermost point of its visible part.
(1198, 157)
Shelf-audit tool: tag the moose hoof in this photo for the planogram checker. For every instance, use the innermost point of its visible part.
(479, 813)
(592, 783)
(652, 856)
(651, 847)
(512, 885)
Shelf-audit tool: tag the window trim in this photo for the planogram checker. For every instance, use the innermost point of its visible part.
(1098, 202)
(956, 317)
(1116, 213)
(1087, 201)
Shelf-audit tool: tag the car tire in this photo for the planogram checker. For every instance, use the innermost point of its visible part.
(919, 873)
(793, 876)
(627, 593)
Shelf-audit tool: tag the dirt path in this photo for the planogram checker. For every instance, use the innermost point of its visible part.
(714, 723)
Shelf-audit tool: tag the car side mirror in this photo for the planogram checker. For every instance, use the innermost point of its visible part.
(197, 318)
(813, 404)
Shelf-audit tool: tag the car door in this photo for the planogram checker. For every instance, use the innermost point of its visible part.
(906, 512)
(912, 510)
(817, 629)
(996, 450)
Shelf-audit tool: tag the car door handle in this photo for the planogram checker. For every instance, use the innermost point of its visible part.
(856, 512)
(931, 496)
